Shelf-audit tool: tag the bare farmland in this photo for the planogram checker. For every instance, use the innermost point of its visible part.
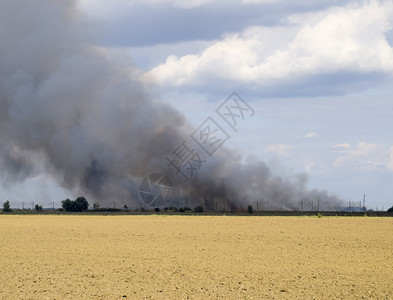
(197, 257)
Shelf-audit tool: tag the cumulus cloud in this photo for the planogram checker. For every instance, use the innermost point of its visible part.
(345, 146)
(175, 3)
(390, 163)
(365, 156)
(349, 39)
(258, 1)
(309, 166)
(99, 5)
(311, 135)
(279, 149)
(340, 147)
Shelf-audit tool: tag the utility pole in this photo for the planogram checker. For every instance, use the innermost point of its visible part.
(23, 205)
(318, 203)
(364, 202)
(349, 206)
(302, 205)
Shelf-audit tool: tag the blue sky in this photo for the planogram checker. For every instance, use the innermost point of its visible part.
(318, 76)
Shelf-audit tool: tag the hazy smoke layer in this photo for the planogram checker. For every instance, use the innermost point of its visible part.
(68, 108)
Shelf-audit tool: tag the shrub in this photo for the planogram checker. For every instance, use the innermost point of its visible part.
(250, 209)
(181, 209)
(7, 206)
(199, 209)
(157, 209)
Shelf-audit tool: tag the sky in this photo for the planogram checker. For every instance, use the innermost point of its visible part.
(318, 75)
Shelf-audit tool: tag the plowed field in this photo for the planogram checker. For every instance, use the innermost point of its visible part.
(195, 257)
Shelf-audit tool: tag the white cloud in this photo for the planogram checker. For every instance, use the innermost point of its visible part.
(279, 149)
(101, 5)
(344, 39)
(309, 166)
(365, 156)
(179, 3)
(340, 148)
(390, 162)
(345, 146)
(311, 135)
(258, 1)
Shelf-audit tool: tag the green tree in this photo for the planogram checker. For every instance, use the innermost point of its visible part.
(199, 209)
(7, 206)
(250, 209)
(80, 204)
(390, 209)
(38, 207)
(68, 205)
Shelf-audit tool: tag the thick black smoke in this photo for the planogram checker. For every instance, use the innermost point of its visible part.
(72, 111)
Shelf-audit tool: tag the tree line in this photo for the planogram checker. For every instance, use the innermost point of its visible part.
(78, 205)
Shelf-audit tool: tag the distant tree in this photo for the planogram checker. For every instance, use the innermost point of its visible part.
(80, 204)
(250, 209)
(390, 209)
(184, 209)
(7, 206)
(38, 207)
(68, 205)
(199, 209)
(96, 205)
(157, 209)
(125, 207)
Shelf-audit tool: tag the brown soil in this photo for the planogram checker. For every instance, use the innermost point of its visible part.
(195, 257)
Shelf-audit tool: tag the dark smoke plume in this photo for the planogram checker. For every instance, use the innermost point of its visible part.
(70, 110)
